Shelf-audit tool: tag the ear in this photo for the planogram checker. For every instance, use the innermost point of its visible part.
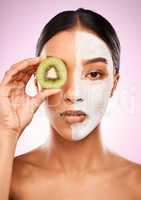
(116, 79)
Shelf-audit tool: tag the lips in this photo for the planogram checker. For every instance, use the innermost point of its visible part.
(73, 116)
(72, 113)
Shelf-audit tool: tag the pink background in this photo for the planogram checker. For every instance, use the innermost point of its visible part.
(21, 23)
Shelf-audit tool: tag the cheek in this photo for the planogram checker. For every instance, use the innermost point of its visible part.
(96, 94)
(54, 100)
(99, 97)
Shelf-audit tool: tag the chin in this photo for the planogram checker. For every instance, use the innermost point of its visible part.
(69, 137)
(66, 135)
(75, 132)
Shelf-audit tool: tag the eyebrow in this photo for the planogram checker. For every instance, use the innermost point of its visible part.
(94, 60)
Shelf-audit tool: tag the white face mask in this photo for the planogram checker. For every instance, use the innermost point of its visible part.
(95, 94)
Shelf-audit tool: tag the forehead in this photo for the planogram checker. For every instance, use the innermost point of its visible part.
(60, 44)
(76, 43)
(88, 45)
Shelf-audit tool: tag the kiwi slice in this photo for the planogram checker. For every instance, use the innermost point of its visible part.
(51, 73)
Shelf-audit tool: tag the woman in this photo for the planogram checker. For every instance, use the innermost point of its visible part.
(74, 163)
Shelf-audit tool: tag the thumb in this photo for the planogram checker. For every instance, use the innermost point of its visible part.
(40, 97)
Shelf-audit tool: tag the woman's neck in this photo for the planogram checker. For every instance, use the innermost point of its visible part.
(77, 156)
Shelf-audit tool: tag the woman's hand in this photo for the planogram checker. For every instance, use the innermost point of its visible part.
(16, 107)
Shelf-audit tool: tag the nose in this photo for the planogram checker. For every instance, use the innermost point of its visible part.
(70, 98)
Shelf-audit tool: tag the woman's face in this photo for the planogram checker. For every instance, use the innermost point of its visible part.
(89, 84)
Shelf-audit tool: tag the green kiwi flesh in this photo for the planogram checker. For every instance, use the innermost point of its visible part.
(51, 73)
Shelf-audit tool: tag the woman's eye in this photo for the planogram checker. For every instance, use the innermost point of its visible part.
(94, 75)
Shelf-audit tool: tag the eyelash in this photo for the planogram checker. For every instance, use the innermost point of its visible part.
(95, 72)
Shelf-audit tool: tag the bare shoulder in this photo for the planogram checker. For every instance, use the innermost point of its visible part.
(133, 178)
(129, 173)
(24, 168)
(135, 174)
(129, 165)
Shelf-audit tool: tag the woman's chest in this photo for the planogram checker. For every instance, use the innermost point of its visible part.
(74, 190)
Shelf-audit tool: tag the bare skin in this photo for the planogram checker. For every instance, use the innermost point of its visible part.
(60, 172)
(61, 168)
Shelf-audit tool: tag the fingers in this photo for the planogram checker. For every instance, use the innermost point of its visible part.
(21, 70)
(39, 98)
(23, 77)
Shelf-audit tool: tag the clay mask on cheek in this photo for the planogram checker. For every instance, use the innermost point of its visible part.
(95, 93)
